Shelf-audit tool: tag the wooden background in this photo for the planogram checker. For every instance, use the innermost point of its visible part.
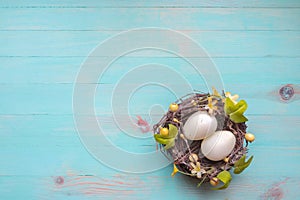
(254, 44)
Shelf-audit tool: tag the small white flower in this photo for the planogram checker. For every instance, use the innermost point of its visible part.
(196, 167)
(199, 174)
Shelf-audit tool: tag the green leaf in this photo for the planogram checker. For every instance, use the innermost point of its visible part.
(241, 165)
(238, 118)
(229, 106)
(241, 107)
(168, 141)
(241, 161)
(225, 177)
(170, 144)
(235, 111)
(173, 131)
(160, 139)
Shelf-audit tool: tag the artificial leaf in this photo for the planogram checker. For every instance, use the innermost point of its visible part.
(241, 165)
(169, 140)
(229, 106)
(225, 177)
(160, 139)
(236, 111)
(241, 161)
(238, 118)
(241, 107)
(170, 144)
(173, 131)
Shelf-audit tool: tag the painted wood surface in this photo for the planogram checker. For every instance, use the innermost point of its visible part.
(254, 44)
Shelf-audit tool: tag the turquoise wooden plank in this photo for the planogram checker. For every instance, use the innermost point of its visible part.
(57, 99)
(135, 3)
(43, 45)
(45, 132)
(217, 43)
(59, 161)
(56, 155)
(123, 18)
(76, 187)
(47, 138)
(73, 171)
(69, 165)
(267, 70)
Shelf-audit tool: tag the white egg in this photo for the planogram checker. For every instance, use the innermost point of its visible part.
(218, 146)
(199, 125)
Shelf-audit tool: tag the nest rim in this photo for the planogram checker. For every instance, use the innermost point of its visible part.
(188, 105)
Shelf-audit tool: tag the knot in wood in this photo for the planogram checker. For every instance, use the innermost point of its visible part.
(286, 92)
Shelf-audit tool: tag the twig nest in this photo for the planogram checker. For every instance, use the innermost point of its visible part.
(199, 126)
(206, 137)
(219, 145)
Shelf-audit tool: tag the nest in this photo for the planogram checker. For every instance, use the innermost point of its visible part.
(181, 152)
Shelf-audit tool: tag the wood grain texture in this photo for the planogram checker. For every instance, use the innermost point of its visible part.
(146, 4)
(62, 70)
(95, 19)
(218, 44)
(254, 44)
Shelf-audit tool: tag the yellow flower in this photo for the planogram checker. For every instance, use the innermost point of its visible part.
(233, 98)
(175, 170)
(215, 92)
(211, 105)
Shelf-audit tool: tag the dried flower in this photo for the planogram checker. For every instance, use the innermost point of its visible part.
(175, 170)
(197, 169)
(216, 93)
(193, 158)
(211, 105)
